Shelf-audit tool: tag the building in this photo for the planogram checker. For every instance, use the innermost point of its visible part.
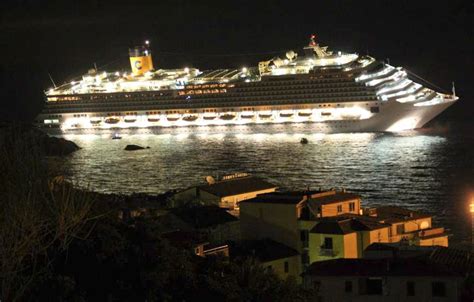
(330, 225)
(279, 258)
(227, 192)
(195, 242)
(215, 223)
(410, 274)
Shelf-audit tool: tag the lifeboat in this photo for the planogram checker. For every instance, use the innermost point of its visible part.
(190, 118)
(247, 115)
(227, 116)
(153, 119)
(172, 117)
(305, 113)
(130, 119)
(95, 121)
(286, 114)
(326, 113)
(265, 115)
(112, 120)
(209, 116)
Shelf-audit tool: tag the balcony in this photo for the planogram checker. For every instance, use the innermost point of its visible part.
(327, 252)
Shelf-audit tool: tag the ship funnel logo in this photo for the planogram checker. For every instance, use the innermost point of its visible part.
(138, 65)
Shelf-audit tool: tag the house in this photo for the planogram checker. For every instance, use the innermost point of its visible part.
(344, 236)
(279, 258)
(227, 192)
(216, 223)
(430, 274)
(195, 242)
(330, 224)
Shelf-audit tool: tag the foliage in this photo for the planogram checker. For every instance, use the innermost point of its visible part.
(37, 214)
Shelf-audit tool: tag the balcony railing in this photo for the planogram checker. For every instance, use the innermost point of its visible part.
(326, 252)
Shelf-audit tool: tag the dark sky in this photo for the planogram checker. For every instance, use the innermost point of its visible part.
(65, 38)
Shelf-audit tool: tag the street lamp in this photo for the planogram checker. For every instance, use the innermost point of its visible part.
(471, 209)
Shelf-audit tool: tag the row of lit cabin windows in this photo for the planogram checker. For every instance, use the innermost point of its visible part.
(300, 106)
(210, 104)
(204, 86)
(258, 96)
(199, 91)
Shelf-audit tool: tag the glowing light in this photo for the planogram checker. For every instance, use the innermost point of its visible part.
(147, 42)
(408, 123)
(471, 207)
(244, 69)
(186, 69)
(73, 83)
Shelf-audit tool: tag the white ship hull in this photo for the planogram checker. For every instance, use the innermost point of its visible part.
(393, 116)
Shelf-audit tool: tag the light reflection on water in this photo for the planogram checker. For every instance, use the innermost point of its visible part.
(427, 172)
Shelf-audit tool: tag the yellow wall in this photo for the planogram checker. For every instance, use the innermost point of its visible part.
(338, 241)
(329, 210)
(278, 267)
(234, 200)
(274, 221)
(441, 241)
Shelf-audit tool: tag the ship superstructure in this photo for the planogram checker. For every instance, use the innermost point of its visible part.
(338, 92)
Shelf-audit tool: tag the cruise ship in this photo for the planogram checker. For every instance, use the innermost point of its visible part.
(333, 90)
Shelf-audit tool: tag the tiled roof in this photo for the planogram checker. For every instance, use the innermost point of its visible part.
(393, 214)
(203, 217)
(378, 268)
(458, 260)
(237, 186)
(264, 250)
(346, 224)
(333, 198)
(279, 197)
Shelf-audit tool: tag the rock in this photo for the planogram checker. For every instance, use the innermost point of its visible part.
(54, 146)
(133, 147)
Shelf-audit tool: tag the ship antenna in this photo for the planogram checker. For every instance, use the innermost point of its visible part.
(454, 89)
(52, 81)
(95, 66)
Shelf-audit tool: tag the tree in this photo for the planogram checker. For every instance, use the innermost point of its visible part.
(37, 212)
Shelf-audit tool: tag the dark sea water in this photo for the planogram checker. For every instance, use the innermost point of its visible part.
(430, 170)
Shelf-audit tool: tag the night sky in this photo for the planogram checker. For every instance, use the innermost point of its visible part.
(65, 38)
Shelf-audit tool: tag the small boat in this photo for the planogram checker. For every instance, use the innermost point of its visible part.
(209, 117)
(95, 121)
(116, 136)
(247, 115)
(190, 118)
(130, 120)
(325, 113)
(172, 118)
(304, 113)
(112, 120)
(153, 119)
(265, 115)
(304, 141)
(227, 116)
(286, 114)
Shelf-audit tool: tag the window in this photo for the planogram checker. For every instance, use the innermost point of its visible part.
(287, 267)
(438, 289)
(339, 208)
(410, 288)
(400, 229)
(327, 243)
(352, 206)
(348, 286)
(374, 286)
